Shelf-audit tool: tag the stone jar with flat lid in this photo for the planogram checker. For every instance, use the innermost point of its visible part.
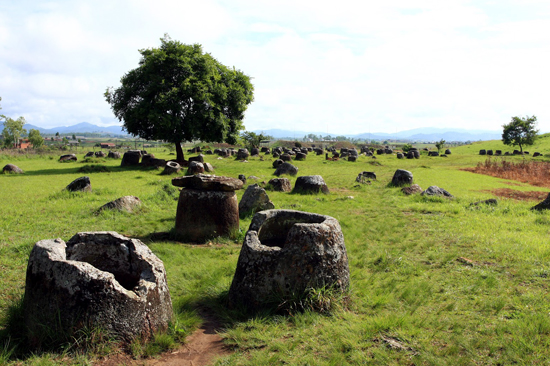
(207, 206)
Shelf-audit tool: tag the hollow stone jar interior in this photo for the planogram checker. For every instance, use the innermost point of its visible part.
(115, 259)
(274, 231)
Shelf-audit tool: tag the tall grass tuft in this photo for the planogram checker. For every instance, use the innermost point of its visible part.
(161, 342)
(324, 300)
(92, 340)
(532, 172)
(6, 351)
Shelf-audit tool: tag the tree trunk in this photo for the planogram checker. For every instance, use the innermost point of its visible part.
(179, 153)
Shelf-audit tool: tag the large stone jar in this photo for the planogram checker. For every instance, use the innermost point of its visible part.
(131, 157)
(286, 252)
(207, 206)
(96, 279)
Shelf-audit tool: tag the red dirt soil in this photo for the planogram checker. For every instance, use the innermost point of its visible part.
(531, 172)
(200, 349)
(534, 173)
(519, 195)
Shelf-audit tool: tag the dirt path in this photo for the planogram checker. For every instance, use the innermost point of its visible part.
(200, 349)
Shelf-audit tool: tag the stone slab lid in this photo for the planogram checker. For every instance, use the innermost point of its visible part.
(208, 182)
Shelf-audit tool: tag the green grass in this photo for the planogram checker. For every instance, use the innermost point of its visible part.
(407, 282)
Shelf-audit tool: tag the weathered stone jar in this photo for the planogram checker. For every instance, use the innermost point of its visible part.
(286, 252)
(207, 206)
(98, 279)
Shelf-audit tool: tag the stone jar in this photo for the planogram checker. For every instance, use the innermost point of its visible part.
(68, 157)
(286, 252)
(254, 199)
(10, 168)
(207, 206)
(171, 167)
(280, 184)
(81, 184)
(131, 157)
(97, 279)
(402, 177)
(146, 159)
(125, 203)
(195, 167)
(113, 155)
(286, 168)
(310, 184)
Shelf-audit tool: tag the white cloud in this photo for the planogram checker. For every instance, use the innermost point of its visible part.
(350, 65)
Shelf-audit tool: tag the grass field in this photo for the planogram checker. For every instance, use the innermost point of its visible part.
(433, 281)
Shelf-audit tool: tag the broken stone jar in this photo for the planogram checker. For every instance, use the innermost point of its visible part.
(97, 279)
(285, 253)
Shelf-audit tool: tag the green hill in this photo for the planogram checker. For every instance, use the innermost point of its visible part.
(541, 145)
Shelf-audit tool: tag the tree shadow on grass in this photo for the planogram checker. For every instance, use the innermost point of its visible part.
(179, 238)
(80, 169)
(324, 301)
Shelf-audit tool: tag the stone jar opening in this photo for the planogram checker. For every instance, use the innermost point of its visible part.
(115, 259)
(274, 231)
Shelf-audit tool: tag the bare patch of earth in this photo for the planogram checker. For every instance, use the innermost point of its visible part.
(201, 349)
(519, 195)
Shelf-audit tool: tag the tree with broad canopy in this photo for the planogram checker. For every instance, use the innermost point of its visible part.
(35, 138)
(13, 130)
(252, 140)
(520, 131)
(178, 93)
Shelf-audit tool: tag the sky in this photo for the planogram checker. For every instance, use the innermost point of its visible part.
(340, 67)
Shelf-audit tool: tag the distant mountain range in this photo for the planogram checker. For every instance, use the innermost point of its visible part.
(83, 127)
(418, 134)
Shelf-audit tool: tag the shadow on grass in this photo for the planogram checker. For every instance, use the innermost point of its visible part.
(323, 301)
(216, 308)
(179, 238)
(77, 167)
(227, 316)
